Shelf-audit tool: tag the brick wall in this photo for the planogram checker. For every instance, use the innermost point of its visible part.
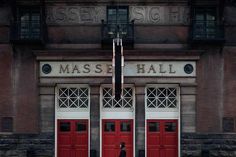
(7, 78)
(230, 85)
(210, 91)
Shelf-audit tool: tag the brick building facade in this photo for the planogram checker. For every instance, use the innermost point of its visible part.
(56, 82)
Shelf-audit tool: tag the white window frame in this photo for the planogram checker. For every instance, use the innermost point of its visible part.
(163, 114)
(72, 114)
(113, 101)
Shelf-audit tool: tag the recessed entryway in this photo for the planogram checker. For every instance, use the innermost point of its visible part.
(162, 114)
(117, 121)
(72, 120)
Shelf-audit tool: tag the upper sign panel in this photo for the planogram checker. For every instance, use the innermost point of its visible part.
(64, 15)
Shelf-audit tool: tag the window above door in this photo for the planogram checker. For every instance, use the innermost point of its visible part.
(117, 14)
(162, 101)
(72, 101)
(117, 21)
(110, 103)
(73, 98)
(161, 98)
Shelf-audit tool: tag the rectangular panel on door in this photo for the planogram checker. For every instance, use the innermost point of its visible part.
(72, 138)
(113, 133)
(162, 138)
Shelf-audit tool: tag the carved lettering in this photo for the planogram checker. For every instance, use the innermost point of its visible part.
(154, 15)
(132, 68)
(171, 71)
(75, 69)
(98, 13)
(75, 14)
(86, 14)
(160, 14)
(141, 14)
(161, 69)
(87, 68)
(174, 15)
(152, 69)
(64, 69)
(50, 17)
(109, 68)
(60, 14)
(140, 68)
(72, 14)
(98, 68)
(138, 14)
(186, 16)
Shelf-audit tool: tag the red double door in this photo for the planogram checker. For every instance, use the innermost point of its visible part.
(113, 133)
(72, 138)
(162, 138)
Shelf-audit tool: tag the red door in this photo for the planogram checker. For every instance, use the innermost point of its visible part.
(162, 138)
(72, 138)
(113, 133)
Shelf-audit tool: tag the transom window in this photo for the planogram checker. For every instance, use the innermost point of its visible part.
(126, 101)
(161, 97)
(73, 97)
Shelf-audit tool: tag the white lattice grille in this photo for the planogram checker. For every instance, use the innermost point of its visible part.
(161, 97)
(109, 101)
(70, 97)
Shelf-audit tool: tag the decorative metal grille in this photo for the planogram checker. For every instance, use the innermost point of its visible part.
(109, 101)
(161, 98)
(73, 97)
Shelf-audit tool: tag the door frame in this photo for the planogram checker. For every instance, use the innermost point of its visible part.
(115, 117)
(74, 116)
(168, 117)
(115, 120)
